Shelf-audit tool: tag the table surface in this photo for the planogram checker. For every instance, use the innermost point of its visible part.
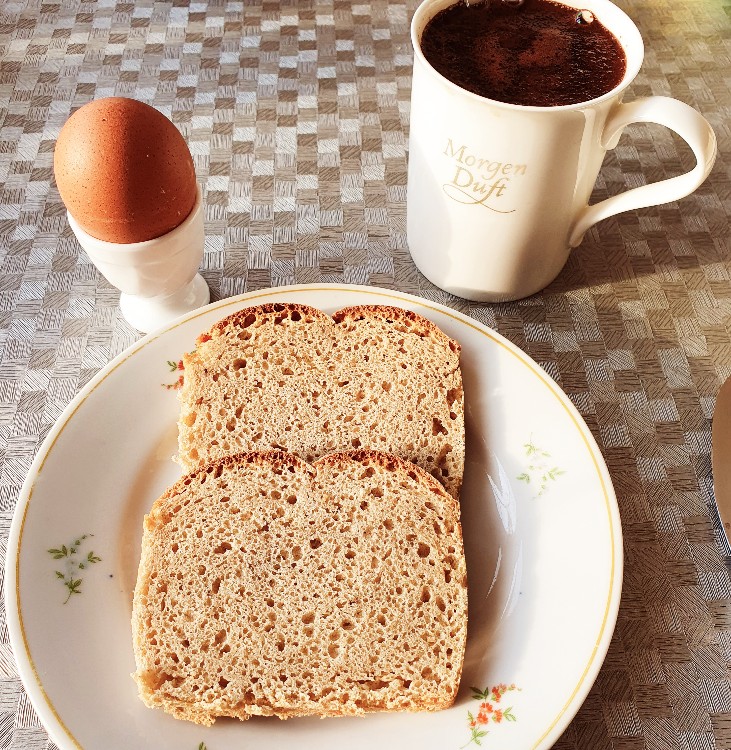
(297, 117)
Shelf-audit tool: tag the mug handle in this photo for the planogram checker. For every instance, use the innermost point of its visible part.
(676, 116)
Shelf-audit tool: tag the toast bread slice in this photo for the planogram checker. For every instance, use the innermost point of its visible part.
(289, 377)
(268, 586)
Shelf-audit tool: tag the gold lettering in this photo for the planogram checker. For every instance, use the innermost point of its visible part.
(454, 154)
(498, 187)
(478, 192)
(491, 167)
(477, 181)
(462, 172)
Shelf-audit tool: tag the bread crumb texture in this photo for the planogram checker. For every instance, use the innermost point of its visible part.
(289, 377)
(271, 587)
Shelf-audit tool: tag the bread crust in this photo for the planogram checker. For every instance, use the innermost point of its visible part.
(383, 576)
(419, 325)
(286, 375)
(244, 318)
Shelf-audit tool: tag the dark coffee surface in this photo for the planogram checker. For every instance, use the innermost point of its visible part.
(533, 53)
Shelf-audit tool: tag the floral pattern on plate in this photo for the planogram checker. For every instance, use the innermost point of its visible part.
(489, 711)
(175, 367)
(75, 563)
(539, 472)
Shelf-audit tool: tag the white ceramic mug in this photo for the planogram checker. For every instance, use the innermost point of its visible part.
(498, 193)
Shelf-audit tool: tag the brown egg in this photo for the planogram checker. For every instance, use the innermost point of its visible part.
(124, 171)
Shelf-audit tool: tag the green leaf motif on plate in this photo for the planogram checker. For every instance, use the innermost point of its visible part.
(539, 472)
(76, 561)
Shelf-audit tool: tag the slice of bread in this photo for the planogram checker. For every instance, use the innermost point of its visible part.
(268, 586)
(289, 377)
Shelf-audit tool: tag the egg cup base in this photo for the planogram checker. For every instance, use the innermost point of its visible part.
(150, 313)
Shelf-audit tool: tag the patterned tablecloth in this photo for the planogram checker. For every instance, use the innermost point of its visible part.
(297, 117)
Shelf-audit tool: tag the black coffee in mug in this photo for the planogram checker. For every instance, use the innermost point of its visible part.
(535, 52)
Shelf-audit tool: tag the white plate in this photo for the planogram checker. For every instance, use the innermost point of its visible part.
(542, 539)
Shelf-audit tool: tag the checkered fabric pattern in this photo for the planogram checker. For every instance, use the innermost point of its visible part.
(297, 117)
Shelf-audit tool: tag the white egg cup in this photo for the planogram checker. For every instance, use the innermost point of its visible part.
(158, 279)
